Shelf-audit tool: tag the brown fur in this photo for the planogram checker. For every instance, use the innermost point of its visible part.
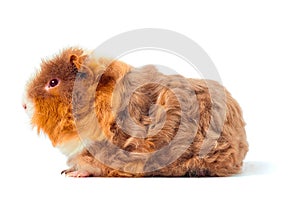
(125, 116)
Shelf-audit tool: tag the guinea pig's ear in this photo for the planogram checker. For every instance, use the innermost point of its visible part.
(77, 61)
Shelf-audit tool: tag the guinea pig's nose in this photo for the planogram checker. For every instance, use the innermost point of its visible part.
(24, 106)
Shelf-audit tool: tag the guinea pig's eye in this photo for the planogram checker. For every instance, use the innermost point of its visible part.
(53, 83)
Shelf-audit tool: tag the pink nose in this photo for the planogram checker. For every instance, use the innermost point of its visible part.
(24, 106)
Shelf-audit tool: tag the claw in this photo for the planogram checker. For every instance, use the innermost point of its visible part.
(75, 173)
(66, 171)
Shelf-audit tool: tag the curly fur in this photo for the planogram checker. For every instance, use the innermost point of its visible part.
(115, 120)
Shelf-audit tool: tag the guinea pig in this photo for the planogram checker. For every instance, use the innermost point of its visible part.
(111, 119)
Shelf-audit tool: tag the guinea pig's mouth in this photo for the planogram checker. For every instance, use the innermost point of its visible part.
(28, 106)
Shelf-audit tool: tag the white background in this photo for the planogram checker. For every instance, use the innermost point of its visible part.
(255, 46)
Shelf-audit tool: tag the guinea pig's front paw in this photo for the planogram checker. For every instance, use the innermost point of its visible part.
(76, 173)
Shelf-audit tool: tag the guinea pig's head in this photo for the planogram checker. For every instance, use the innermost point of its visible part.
(49, 95)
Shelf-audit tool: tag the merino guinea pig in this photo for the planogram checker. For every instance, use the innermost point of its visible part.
(111, 119)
